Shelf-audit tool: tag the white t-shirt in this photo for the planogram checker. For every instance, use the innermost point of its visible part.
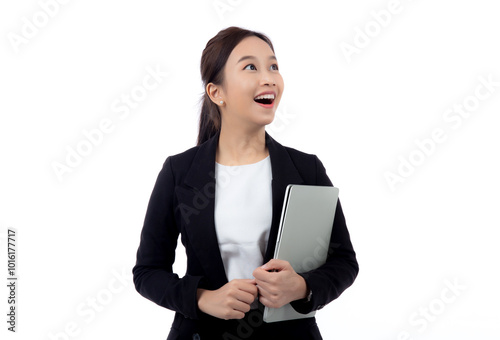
(243, 215)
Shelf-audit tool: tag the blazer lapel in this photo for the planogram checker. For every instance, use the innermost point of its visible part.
(284, 172)
(201, 226)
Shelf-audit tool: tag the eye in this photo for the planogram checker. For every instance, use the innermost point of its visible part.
(275, 67)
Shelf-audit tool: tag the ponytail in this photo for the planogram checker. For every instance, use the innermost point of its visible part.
(210, 119)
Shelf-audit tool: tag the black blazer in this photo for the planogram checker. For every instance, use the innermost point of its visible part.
(182, 202)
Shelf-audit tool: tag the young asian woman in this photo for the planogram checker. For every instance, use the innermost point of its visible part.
(223, 197)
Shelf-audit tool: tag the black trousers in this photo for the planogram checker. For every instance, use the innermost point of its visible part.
(250, 327)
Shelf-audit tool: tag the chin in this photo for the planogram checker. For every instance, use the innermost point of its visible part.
(262, 119)
(266, 121)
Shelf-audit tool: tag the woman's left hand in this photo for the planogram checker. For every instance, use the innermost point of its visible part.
(279, 284)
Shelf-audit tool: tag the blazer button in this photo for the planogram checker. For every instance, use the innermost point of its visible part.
(196, 336)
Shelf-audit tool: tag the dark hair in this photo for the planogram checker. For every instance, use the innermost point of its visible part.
(213, 59)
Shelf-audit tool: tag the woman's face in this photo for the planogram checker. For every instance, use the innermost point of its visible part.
(251, 69)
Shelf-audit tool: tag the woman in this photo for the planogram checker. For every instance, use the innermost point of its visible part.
(224, 197)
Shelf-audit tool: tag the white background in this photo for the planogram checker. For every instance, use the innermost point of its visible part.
(360, 113)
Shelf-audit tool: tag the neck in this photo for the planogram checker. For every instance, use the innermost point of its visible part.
(239, 146)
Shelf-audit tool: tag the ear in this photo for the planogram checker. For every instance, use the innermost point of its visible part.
(215, 93)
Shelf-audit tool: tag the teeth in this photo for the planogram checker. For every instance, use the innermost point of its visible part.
(265, 96)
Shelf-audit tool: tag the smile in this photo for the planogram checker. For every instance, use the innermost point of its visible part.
(265, 100)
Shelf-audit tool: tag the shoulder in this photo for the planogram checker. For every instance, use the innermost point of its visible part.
(184, 156)
(300, 157)
(307, 164)
(180, 162)
(293, 153)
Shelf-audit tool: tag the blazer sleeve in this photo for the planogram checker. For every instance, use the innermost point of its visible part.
(328, 281)
(152, 274)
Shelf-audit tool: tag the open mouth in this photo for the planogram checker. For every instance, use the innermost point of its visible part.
(265, 99)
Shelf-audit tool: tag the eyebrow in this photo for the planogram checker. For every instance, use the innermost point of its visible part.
(252, 57)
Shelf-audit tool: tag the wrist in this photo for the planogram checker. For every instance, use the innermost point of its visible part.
(200, 292)
(303, 289)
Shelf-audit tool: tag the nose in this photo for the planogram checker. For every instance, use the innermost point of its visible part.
(268, 78)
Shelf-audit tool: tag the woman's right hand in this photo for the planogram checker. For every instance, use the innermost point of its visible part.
(230, 301)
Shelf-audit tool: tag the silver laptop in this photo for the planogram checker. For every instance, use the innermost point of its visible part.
(304, 235)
